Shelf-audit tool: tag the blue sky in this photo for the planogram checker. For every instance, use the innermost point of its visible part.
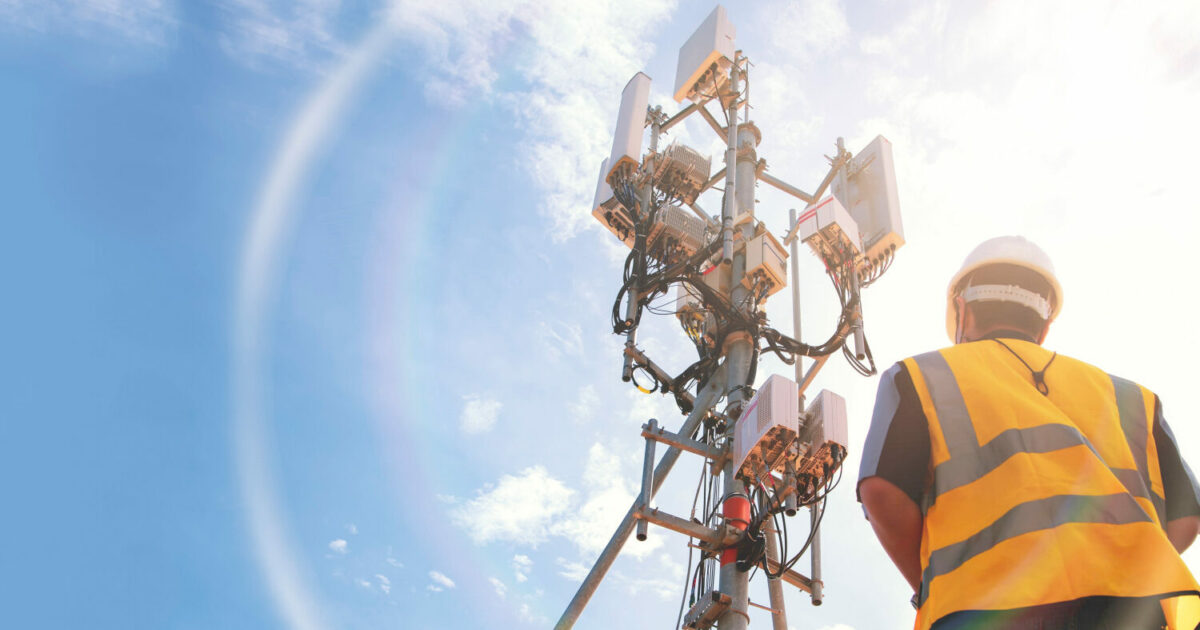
(306, 322)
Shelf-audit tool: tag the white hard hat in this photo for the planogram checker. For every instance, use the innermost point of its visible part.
(1011, 250)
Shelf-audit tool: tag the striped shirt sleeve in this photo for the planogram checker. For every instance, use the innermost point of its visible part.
(897, 446)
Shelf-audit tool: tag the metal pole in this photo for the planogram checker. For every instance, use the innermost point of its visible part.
(814, 554)
(786, 187)
(654, 116)
(796, 293)
(704, 402)
(814, 550)
(857, 327)
(715, 537)
(647, 477)
(736, 507)
(730, 169)
(774, 586)
(739, 350)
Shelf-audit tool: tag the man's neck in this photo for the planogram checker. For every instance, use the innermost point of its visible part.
(1007, 333)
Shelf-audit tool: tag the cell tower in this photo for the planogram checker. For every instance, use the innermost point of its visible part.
(772, 454)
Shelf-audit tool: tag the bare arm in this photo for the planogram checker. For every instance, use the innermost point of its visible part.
(897, 522)
(1182, 531)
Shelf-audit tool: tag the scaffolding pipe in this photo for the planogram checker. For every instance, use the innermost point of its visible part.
(722, 537)
(647, 478)
(814, 550)
(767, 178)
(708, 394)
(660, 434)
(774, 586)
(712, 122)
(679, 116)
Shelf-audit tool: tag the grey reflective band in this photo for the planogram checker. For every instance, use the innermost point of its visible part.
(1008, 293)
(955, 422)
(960, 471)
(1032, 516)
(1132, 409)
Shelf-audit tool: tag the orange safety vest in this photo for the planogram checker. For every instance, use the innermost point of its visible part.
(1035, 498)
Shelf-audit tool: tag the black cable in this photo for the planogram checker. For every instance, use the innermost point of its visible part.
(688, 573)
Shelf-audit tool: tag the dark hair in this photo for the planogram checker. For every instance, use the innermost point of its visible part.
(1009, 314)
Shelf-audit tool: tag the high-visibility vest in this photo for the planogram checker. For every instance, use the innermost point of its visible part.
(1037, 499)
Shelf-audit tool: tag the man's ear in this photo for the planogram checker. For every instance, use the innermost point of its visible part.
(960, 310)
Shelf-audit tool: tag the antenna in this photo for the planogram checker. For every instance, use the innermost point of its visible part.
(772, 454)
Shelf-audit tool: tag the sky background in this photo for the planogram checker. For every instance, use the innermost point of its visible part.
(306, 316)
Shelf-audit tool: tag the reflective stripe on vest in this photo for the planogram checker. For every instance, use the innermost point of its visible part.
(1132, 410)
(1032, 516)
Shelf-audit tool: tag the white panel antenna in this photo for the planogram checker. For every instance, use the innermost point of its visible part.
(604, 192)
(868, 191)
(767, 427)
(705, 58)
(824, 432)
(631, 121)
(609, 211)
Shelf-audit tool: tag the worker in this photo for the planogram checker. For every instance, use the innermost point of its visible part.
(1014, 487)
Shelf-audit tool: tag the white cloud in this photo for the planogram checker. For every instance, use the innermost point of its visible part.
(478, 414)
(136, 22)
(435, 588)
(293, 33)
(525, 611)
(522, 564)
(393, 561)
(643, 407)
(501, 587)
(353, 529)
(385, 584)
(609, 496)
(561, 338)
(576, 58)
(363, 583)
(808, 30)
(527, 508)
(517, 509)
(665, 589)
(671, 565)
(441, 580)
(338, 546)
(574, 571)
(837, 626)
(584, 406)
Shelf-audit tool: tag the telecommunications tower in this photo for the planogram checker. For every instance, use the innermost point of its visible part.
(771, 453)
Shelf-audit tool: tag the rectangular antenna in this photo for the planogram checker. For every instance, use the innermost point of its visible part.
(631, 121)
(868, 191)
(609, 211)
(711, 44)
